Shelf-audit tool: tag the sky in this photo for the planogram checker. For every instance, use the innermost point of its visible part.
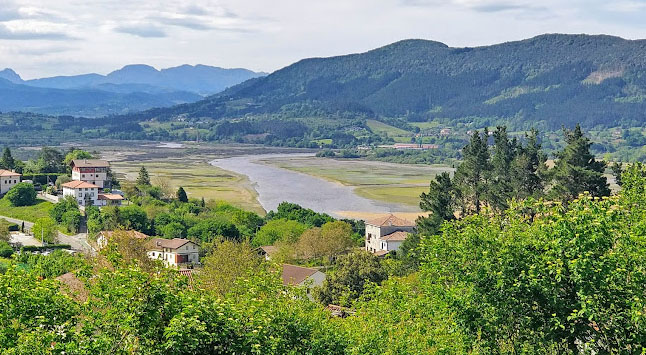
(41, 38)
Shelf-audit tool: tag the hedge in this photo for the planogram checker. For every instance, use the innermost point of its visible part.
(46, 247)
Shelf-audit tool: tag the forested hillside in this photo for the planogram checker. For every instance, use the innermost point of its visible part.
(543, 82)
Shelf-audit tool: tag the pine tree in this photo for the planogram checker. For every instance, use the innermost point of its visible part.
(181, 195)
(143, 178)
(528, 170)
(471, 177)
(203, 203)
(617, 170)
(500, 187)
(576, 169)
(439, 201)
(7, 161)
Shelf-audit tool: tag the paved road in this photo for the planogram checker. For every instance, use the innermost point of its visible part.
(78, 242)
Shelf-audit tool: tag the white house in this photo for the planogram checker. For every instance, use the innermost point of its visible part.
(174, 252)
(82, 191)
(92, 171)
(8, 179)
(386, 234)
(106, 199)
(302, 276)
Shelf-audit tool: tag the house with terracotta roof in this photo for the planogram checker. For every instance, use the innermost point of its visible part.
(85, 193)
(105, 236)
(302, 276)
(92, 171)
(175, 252)
(8, 179)
(386, 234)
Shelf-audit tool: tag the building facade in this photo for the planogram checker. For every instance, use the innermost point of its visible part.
(8, 179)
(174, 252)
(92, 171)
(85, 193)
(386, 234)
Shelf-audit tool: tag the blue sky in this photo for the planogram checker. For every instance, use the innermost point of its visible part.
(63, 37)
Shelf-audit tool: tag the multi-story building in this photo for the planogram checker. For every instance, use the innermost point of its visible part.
(8, 179)
(92, 171)
(386, 234)
(174, 252)
(85, 193)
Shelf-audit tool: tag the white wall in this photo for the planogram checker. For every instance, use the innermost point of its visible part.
(7, 182)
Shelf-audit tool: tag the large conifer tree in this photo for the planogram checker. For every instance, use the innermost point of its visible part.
(576, 169)
(472, 176)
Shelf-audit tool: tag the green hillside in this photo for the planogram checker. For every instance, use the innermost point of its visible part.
(546, 81)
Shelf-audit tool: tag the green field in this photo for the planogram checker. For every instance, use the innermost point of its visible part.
(391, 131)
(198, 178)
(407, 195)
(26, 213)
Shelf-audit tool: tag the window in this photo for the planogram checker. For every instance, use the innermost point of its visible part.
(83, 175)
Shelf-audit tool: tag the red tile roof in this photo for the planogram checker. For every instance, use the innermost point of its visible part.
(79, 185)
(398, 236)
(8, 173)
(390, 220)
(295, 275)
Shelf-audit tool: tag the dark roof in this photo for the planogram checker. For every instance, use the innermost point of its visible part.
(295, 275)
(158, 243)
(90, 163)
(390, 220)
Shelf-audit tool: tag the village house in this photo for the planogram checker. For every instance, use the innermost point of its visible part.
(85, 193)
(106, 199)
(302, 276)
(174, 252)
(386, 234)
(267, 251)
(8, 179)
(92, 171)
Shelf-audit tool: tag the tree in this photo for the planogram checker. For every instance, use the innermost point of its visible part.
(181, 195)
(278, 230)
(528, 170)
(226, 264)
(332, 239)
(210, 229)
(62, 179)
(143, 179)
(22, 194)
(617, 170)
(133, 217)
(68, 203)
(576, 170)
(51, 160)
(75, 154)
(439, 201)
(472, 176)
(202, 203)
(7, 161)
(500, 184)
(72, 220)
(346, 284)
(45, 228)
(173, 230)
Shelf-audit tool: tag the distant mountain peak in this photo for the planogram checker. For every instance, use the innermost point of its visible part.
(10, 75)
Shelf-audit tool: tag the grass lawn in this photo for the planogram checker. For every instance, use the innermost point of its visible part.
(26, 213)
(198, 178)
(391, 131)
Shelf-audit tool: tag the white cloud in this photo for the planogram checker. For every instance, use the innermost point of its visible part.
(101, 35)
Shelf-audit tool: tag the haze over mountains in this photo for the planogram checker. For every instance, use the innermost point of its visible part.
(546, 81)
(132, 88)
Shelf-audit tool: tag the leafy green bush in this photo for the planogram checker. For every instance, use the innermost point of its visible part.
(22, 194)
(5, 249)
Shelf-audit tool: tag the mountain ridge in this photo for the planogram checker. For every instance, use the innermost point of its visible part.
(537, 81)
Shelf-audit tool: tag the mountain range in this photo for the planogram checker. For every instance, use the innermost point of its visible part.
(546, 81)
(132, 88)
